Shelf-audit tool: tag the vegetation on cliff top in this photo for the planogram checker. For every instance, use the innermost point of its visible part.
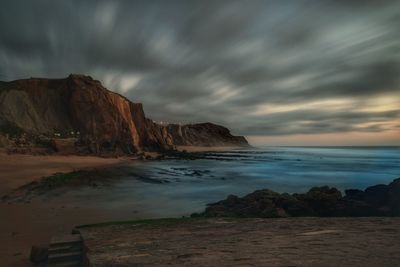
(10, 129)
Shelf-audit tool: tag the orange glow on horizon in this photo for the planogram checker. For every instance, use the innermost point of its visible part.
(386, 138)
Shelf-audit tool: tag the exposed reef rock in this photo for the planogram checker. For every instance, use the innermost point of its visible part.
(80, 108)
(378, 200)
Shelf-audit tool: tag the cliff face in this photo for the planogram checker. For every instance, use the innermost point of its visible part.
(203, 134)
(99, 120)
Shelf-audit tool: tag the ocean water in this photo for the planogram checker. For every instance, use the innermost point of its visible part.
(179, 187)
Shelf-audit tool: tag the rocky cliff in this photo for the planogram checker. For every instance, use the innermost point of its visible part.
(203, 134)
(93, 119)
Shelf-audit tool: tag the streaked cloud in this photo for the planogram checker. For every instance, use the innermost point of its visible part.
(259, 67)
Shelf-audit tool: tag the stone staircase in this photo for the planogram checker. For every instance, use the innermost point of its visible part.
(65, 251)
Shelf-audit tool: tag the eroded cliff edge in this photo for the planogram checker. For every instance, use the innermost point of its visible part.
(78, 114)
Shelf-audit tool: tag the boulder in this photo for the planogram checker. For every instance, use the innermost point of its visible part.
(261, 203)
(379, 200)
(356, 208)
(266, 203)
(322, 200)
(230, 207)
(376, 195)
(393, 197)
(354, 194)
(294, 207)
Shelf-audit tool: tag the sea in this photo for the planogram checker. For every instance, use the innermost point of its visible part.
(179, 187)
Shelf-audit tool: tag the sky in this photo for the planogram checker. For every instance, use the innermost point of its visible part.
(316, 72)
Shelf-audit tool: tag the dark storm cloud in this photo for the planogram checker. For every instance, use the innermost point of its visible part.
(220, 61)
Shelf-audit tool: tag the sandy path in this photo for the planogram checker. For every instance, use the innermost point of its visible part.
(25, 224)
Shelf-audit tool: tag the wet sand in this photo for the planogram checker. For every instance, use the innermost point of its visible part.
(25, 224)
(17, 169)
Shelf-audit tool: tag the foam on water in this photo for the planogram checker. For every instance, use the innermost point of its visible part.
(178, 187)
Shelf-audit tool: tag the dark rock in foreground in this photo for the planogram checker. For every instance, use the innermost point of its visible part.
(378, 200)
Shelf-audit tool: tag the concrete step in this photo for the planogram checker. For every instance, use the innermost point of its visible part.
(62, 240)
(65, 251)
(66, 264)
(64, 248)
(65, 257)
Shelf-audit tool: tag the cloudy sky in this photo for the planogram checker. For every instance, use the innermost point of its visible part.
(280, 72)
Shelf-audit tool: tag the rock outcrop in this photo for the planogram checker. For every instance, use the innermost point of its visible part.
(101, 121)
(203, 134)
(379, 200)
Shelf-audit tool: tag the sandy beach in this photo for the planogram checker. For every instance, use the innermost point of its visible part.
(25, 224)
(32, 222)
(194, 149)
(19, 169)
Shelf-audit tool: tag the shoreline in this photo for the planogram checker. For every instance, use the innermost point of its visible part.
(34, 222)
(21, 169)
(203, 149)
